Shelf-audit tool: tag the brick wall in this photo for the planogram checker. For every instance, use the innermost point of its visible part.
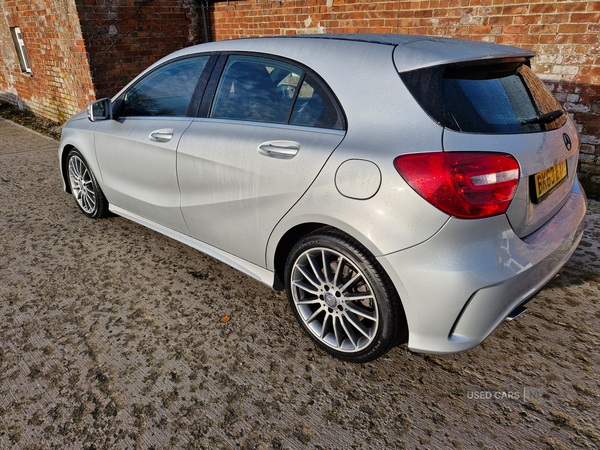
(564, 33)
(60, 84)
(124, 37)
(80, 50)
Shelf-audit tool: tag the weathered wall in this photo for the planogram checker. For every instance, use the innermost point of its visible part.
(60, 85)
(564, 33)
(80, 50)
(124, 37)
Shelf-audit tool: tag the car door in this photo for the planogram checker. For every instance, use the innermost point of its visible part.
(263, 139)
(137, 150)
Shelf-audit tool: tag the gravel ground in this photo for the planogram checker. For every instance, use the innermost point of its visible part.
(111, 338)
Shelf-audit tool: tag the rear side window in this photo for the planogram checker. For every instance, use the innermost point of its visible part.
(258, 89)
(251, 89)
(497, 98)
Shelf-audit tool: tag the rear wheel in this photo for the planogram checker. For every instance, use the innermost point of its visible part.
(84, 187)
(342, 297)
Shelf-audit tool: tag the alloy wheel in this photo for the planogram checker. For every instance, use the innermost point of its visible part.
(334, 300)
(82, 186)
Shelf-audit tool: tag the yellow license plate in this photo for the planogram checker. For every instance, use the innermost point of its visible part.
(545, 181)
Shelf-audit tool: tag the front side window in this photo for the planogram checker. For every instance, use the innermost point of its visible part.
(266, 90)
(166, 91)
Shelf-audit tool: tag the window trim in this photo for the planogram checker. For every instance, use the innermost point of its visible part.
(19, 43)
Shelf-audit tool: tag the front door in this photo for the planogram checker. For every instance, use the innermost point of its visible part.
(137, 152)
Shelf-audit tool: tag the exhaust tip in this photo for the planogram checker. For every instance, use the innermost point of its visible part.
(515, 313)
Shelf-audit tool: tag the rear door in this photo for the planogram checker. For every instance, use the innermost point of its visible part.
(266, 132)
(136, 152)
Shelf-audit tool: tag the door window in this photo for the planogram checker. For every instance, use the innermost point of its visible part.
(267, 90)
(255, 89)
(314, 108)
(166, 91)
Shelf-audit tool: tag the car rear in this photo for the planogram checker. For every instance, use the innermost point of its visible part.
(507, 178)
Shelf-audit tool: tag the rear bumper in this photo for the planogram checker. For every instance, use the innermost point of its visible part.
(458, 286)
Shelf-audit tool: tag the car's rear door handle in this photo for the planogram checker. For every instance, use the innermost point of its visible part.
(279, 149)
(164, 135)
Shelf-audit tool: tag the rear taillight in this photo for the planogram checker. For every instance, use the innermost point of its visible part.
(465, 185)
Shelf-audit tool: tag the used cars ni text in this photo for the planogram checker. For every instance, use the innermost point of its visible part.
(399, 188)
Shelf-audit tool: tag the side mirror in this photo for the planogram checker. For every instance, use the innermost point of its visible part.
(100, 110)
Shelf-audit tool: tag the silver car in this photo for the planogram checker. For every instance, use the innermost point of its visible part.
(399, 188)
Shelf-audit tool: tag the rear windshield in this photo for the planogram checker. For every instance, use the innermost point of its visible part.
(496, 98)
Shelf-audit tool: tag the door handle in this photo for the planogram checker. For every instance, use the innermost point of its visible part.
(279, 149)
(162, 135)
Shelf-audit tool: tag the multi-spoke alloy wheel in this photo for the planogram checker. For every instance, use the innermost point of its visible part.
(334, 299)
(342, 297)
(81, 185)
(85, 189)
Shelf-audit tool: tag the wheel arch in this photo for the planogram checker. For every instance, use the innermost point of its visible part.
(296, 232)
(64, 155)
(285, 244)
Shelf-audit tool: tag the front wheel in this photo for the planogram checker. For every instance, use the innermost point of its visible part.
(84, 187)
(343, 298)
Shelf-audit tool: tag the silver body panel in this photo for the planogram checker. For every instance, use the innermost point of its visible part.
(210, 187)
(225, 181)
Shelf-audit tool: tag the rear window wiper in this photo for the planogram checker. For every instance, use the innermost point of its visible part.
(545, 118)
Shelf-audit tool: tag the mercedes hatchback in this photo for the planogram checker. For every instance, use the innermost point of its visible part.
(399, 188)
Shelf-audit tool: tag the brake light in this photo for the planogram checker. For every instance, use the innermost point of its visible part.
(465, 185)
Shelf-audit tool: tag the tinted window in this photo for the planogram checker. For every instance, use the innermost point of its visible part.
(266, 90)
(167, 91)
(314, 108)
(494, 98)
(255, 89)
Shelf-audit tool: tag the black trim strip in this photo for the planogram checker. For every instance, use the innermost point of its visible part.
(200, 87)
(211, 86)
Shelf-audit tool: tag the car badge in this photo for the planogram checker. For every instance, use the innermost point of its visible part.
(567, 141)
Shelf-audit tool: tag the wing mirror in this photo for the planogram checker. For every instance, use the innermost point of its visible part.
(100, 110)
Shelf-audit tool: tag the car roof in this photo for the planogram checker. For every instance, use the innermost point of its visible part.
(410, 51)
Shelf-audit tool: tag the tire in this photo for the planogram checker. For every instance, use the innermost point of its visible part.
(85, 189)
(342, 297)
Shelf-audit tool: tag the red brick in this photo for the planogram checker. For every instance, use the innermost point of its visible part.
(516, 29)
(587, 17)
(570, 28)
(555, 18)
(571, 6)
(529, 19)
(543, 8)
(584, 38)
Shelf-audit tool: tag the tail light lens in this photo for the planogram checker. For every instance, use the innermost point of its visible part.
(465, 185)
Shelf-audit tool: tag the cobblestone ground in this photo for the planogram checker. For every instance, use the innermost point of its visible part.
(111, 338)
